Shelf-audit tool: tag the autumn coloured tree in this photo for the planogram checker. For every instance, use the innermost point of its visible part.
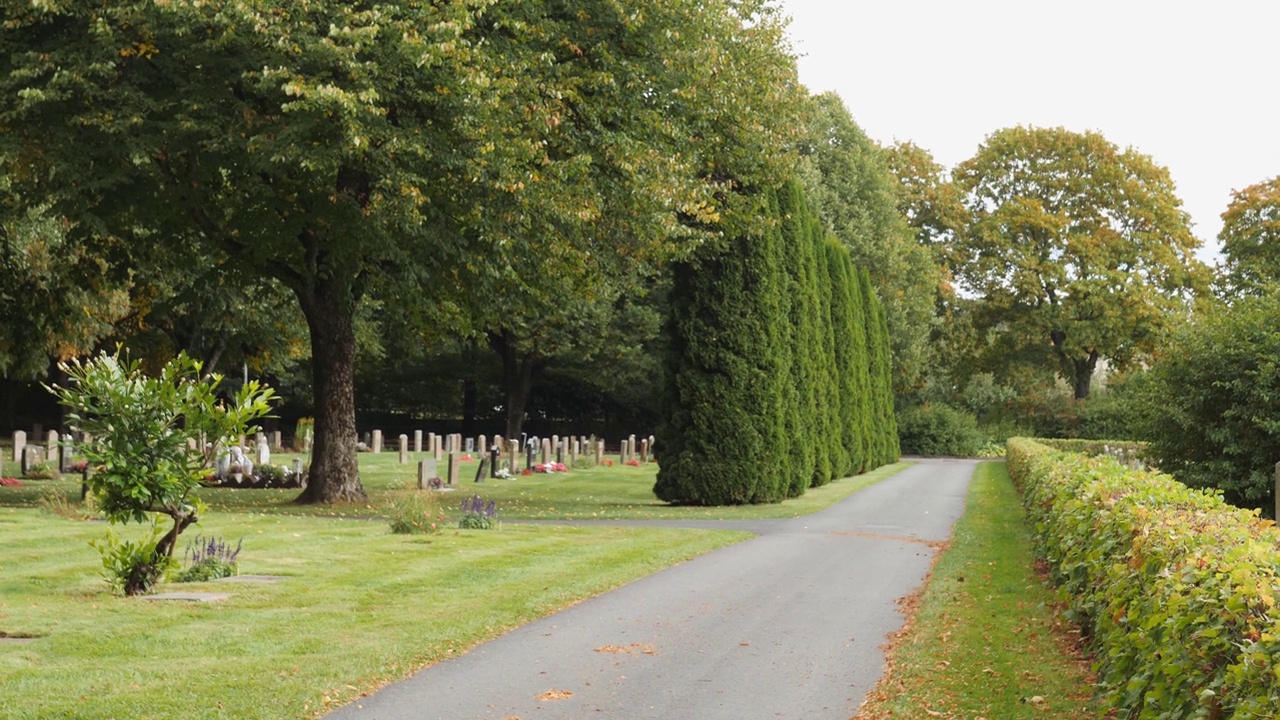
(1250, 239)
(1077, 250)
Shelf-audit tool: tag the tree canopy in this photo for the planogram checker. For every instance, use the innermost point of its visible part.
(344, 149)
(1250, 239)
(1077, 250)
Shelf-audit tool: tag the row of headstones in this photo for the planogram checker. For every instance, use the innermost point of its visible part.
(575, 447)
(504, 455)
(58, 449)
(1126, 455)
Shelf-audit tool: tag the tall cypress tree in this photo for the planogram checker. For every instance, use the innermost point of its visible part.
(797, 224)
(722, 440)
(886, 446)
(851, 357)
(829, 374)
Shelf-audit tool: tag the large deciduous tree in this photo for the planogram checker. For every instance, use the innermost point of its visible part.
(344, 149)
(1077, 250)
(1250, 239)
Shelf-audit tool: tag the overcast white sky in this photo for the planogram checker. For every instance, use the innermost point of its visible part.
(1195, 85)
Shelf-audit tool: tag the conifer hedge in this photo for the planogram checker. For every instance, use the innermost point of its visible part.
(776, 366)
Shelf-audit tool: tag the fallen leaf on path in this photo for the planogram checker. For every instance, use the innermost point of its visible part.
(555, 695)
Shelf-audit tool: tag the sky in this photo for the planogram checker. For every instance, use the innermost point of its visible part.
(1195, 85)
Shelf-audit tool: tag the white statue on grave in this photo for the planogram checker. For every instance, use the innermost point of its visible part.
(239, 458)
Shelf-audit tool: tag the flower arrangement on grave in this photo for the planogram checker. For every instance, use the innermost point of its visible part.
(607, 463)
(504, 473)
(10, 482)
(467, 458)
(550, 467)
(527, 471)
(632, 462)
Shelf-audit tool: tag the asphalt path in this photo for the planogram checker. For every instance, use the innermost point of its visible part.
(789, 624)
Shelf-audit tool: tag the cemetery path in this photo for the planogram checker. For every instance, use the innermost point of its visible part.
(789, 624)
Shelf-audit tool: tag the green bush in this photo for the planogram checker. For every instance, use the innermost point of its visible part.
(133, 567)
(939, 431)
(1176, 589)
(1212, 402)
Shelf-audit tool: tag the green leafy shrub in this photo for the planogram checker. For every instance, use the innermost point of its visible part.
(937, 430)
(1176, 588)
(1212, 400)
(41, 471)
(271, 475)
(134, 567)
(414, 512)
(149, 436)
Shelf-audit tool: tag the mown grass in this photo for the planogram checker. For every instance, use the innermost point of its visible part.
(985, 641)
(357, 607)
(620, 492)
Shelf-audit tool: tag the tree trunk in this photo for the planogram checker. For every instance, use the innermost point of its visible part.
(1084, 375)
(334, 475)
(517, 378)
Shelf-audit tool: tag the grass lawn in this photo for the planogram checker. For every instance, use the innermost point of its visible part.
(601, 493)
(357, 606)
(985, 641)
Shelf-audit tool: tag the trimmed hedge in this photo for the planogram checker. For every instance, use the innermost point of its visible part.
(1176, 589)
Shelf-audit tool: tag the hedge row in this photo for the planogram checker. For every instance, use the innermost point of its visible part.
(1176, 589)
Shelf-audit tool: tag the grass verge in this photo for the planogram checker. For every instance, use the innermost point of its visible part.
(600, 493)
(983, 641)
(358, 607)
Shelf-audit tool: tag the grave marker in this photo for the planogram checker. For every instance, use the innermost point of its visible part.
(19, 442)
(376, 445)
(426, 472)
(455, 464)
(546, 452)
(644, 451)
(404, 449)
(484, 462)
(417, 441)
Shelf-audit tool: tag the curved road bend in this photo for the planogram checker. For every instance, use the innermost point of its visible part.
(788, 624)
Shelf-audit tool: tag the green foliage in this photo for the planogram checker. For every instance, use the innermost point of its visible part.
(1212, 399)
(882, 431)
(41, 471)
(271, 475)
(721, 440)
(149, 436)
(1077, 250)
(133, 567)
(937, 430)
(850, 185)
(1176, 588)
(414, 512)
(210, 559)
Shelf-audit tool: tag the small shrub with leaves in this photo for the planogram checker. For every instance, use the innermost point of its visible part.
(583, 463)
(478, 514)
(41, 471)
(273, 475)
(415, 512)
(56, 502)
(135, 566)
(210, 559)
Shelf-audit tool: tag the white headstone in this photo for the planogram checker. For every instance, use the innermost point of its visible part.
(19, 442)
(417, 441)
(264, 453)
(404, 449)
(376, 444)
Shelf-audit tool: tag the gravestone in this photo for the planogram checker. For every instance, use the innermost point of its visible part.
(437, 447)
(376, 445)
(631, 447)
(644, 451)
(555, 444)
(426, 471)
(297, 469)
(31, 455)
(482, 445)
(431, 443)
(264, 453)
(404, 449)
(67, 453)
(499, 443)
(470, 445)
(484, 462)
(448, 443)
(494, 455)
(455, 465)
(19, 442)
(528, 457)
(513, 453)
(560, 451)
(546, 452)
(599, 451)
(622, 451)
(277, 443)
(574, 449)
(417, 441)
(51, 446)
